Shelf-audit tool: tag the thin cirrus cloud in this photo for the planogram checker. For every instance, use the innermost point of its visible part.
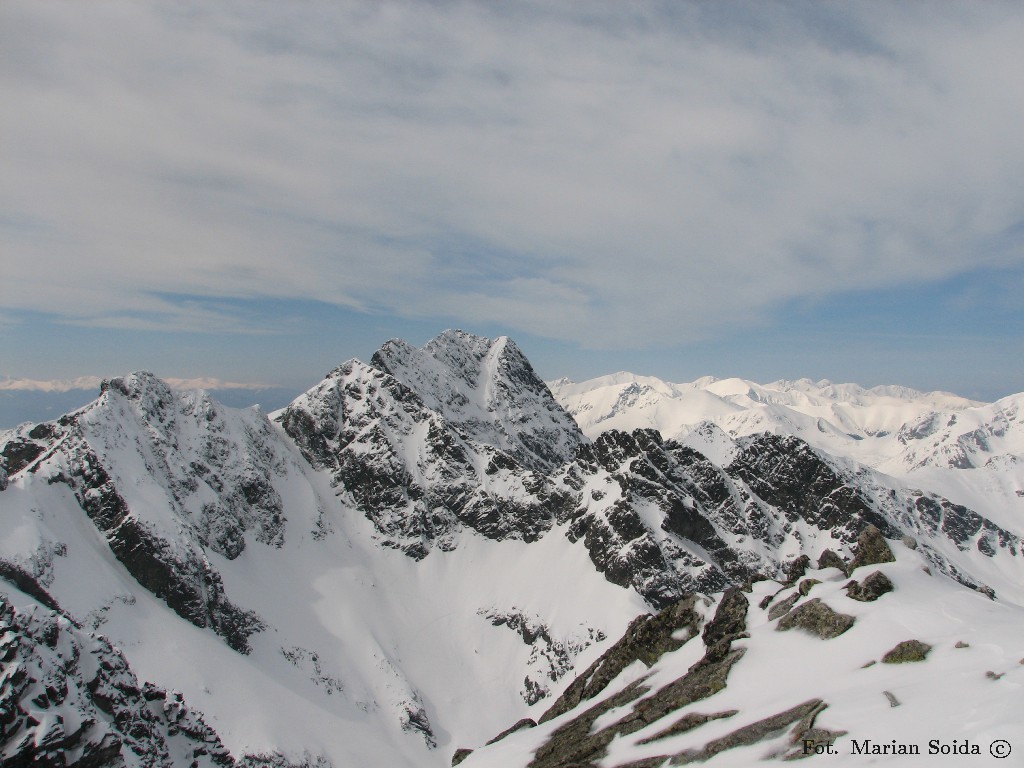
(640, 172)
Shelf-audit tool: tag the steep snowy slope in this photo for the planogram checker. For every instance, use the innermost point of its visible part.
(417, 551)
(68, 697)
(893, 661)
(165, 521)
(923, 438)
(489, 392)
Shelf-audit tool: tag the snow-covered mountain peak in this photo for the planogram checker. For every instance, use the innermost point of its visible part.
(487, 389)
(916, 436)
(422, 548)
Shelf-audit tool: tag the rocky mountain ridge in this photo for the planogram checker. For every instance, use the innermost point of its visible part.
(438, 499)
(895, 429)
(739, 678)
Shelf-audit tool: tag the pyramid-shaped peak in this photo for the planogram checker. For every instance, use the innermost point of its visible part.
(456, 355)
(489, 390)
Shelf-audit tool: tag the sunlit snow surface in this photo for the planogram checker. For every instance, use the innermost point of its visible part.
(972, 453)
(358, 637)
(969, 694)
(363, 643)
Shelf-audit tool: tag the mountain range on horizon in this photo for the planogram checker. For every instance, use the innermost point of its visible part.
(423, 549)
(30, 400)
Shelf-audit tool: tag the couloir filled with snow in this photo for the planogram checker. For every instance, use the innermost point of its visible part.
(422, 550)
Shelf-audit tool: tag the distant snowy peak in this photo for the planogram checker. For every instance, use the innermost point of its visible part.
(874, 426)
(968, 452)
(487, 389)
(987, 436)
(802, 393)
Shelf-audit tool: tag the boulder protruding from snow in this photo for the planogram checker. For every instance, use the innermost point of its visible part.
(872, 588)
(906, 652)
(816, 617)
(872, 549)
(829, 559)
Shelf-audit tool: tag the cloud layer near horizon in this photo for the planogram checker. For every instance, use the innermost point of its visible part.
(608, 174)
(93, 383)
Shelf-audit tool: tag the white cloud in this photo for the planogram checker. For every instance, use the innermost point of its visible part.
(212, 382)
(49, 385)
(93, 383)
(627, 174)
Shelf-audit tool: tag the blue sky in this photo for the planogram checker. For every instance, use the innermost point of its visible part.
(256, 191)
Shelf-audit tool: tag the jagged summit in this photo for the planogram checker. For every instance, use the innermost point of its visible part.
(424, 548)
(488, 389)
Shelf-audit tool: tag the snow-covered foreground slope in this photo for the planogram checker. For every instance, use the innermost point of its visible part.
(969, 452)
(200, 542)
(413, 554)
(787, 669)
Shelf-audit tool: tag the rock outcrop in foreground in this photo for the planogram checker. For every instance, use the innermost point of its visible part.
(424, 551)
(666, 693)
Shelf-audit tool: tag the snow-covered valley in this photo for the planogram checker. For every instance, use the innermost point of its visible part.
(424, 549)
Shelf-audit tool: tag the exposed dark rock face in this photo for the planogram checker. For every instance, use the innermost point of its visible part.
(638, 472)
(686, 723)
(963, 526)
(218, 475)
(18, 453)
(733, 516)
(460, 754)
(805, 586)
(215, 475)
(782, 607)
(526, 722)
(728, 624)
(796, 568)
(189, 585)
(415, 720)
(802, 714)
(906, 652)
(276, 760)
(872, 588)
(577, 744)
(27, 583)
(789, 475)
(646, 640)
(550, 657)
(67, 693)
(362, 424)
(817, 618)
(488, 391)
